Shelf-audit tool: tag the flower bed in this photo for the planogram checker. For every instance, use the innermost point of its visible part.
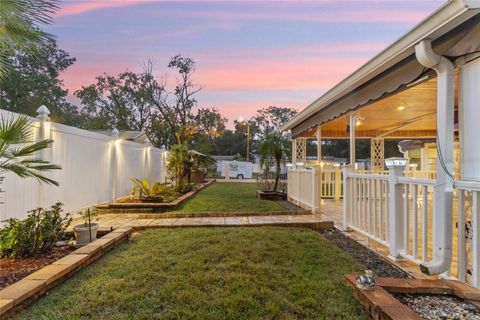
(14, 269)
(152, 207)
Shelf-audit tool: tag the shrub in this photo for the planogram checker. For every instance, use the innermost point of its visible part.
(35, 234)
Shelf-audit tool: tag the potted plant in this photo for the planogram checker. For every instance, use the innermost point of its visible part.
(87, 231)
(147, 192)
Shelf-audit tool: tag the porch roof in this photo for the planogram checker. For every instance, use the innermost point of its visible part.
(453, 29)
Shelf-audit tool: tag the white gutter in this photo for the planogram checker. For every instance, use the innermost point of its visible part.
(443, 189)
(446, 18)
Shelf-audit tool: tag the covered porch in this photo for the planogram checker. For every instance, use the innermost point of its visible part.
(422, 94)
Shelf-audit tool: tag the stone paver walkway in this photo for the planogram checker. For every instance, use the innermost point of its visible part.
(114, 221)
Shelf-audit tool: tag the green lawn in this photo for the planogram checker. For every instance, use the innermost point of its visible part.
(210, 273)
(229, 197)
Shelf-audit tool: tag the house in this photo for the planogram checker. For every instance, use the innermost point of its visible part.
(423, 87)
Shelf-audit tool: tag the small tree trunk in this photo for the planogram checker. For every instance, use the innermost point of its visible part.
(277, 174)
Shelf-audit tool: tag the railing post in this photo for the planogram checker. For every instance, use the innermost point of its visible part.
(316, 190)
(347, 196)
(43, 116)
(338, 183)
(396, 225)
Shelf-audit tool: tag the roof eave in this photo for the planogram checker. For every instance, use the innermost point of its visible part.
(447, 17)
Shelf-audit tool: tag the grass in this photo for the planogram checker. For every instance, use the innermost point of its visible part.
(210, 273)
(229, 197)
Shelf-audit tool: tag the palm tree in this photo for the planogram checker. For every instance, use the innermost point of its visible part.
(272, 147)
(19, 31)
(17, 151)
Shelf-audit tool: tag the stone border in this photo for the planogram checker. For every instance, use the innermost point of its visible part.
(150, 207)
(218, 214)
(22, 293)
(320, 225)
(380, 304)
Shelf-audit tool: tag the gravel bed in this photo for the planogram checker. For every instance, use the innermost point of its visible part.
(365, 256)
(436, 307)
(429, 307)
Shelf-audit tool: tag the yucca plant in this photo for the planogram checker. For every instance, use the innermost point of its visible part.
(18, 152)
(19, 27)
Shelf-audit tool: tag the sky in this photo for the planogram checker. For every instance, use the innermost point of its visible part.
(249, 54)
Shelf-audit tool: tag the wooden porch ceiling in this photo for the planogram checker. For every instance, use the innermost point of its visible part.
(410, 113)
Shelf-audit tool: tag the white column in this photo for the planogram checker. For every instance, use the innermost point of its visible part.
(424, 158)
(469, 84)
(294, 151)
(319, 144)
(352, 138)
(114, 163)
(43, 116)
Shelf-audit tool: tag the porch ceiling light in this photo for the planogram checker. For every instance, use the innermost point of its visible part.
(395, 162)
(401, 108)
(299, 163)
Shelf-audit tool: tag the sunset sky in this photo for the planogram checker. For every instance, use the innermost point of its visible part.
(249, 54)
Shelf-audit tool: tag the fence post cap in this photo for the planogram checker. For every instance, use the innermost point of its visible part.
(43, 112)
(115, 133)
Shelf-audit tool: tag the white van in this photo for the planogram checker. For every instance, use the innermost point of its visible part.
(237, 169)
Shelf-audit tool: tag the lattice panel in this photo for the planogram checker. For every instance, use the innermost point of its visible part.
(377, 153)
(299, 150)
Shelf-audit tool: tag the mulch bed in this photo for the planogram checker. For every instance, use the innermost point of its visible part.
(12, 270)
(368, 258)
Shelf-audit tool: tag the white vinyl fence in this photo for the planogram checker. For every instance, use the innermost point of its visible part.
(96, 168)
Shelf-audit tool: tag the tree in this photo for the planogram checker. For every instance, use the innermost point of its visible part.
(210, 123)
(34, 81)
(272, 146)
(176, 111)
(271, 119)
(19, 28)
(18, 153)
(117, 101)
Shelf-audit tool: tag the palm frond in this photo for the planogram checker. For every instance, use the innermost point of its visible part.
(19, 27)
(17, 152)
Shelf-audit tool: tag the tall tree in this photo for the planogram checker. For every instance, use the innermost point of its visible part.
(177, 110)
(19, 28)
(34, 81)
(272, 118)
(119, 101)
(210, 123)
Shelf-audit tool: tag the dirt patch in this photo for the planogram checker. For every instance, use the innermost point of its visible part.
(12, 270)
(363, 255)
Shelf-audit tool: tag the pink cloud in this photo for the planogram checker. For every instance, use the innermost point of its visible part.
(73, 7)
(278, 75)
(282, 12)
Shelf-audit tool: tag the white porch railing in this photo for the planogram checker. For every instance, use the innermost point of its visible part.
(468, 232)
(303, 187)
(397, 212)
(366, 204)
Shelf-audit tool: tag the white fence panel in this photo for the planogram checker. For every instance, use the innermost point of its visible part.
(96, 168)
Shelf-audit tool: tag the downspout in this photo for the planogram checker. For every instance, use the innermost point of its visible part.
(443, 190)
